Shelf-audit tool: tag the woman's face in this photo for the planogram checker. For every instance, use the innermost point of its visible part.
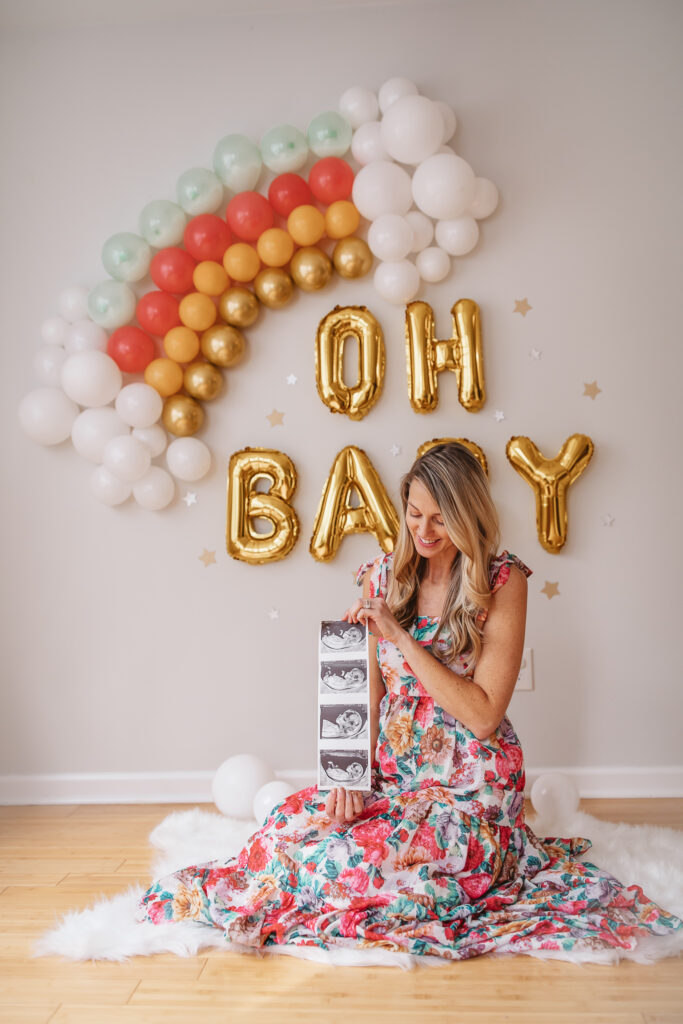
(426, 525)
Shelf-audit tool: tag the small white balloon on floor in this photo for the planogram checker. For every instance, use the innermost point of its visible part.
(246, 786)
(555, 796)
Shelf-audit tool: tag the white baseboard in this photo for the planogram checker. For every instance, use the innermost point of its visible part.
(195, 787)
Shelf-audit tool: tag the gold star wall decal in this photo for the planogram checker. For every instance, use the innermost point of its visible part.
(550, 589)
(276, 418)
(207, 557)
(522, 306)
(592, 390)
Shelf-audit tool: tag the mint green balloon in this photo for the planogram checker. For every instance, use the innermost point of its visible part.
(112, 304)
(126, 256)
(162, 223)
(199, 191)
(237, 162)
(329, 134)
(284, 149)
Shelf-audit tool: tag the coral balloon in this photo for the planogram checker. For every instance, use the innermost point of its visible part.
(223, 345)
(131, 349)
(241, 262)
(165, 376)
(182, 415)
(275, 247)
(171, 270)
(197, 311)
(249, 214)
(341, 219)
(181, 344)
(330, 179)
(207, 237)
(157, 312)
(306, 225)
(245, 504)
(210, 278)
(288, 191)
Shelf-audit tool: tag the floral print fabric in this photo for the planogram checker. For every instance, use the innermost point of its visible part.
(440, 862)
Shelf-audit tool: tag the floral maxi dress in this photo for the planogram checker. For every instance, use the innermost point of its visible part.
(440, 862)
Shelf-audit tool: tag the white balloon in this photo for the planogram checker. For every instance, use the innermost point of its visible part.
(382, 187)
(155, 490)
(555, 795)
(237, 782)
(154, 437)
(412, 129)
(139, 405)
(47, 415)
(449, 121)
(390, 237)
(423, 230)
(85, 334)
(367, 145)
(393, 90)
(93, 429)
(127, 458)
(268, 797)
(359, 105)
(47, 362)
(397, 282)
(91, 378)
(443, 186)
(433, 264)
(188, 458)
(458, 236)
(53, 330)
(485, 198)
(73, 303)
(108, 488)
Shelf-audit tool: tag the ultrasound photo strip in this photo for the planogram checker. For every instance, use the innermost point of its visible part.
(344, 757)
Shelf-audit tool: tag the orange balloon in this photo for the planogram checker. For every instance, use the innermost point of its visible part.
(165, 376)
(210, 278)
(241, 261)
(181, 344)
(306, 225)
(341, 219)
(275, 247)
(197, 311)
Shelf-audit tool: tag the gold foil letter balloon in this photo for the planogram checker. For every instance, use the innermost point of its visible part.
(245, 505)
(427, 357)
(336, 516)
(550, 479)
(329, 355)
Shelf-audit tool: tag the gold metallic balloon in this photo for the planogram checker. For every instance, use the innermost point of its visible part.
(550, 479)
(223, 345)
(238, 306)
(311, 268)
(470, 445)
(352, 257)
(245, 504)
(329, 360)
(427, 357)
(336, 516)
(203, 380)
(182, 415)
(274, 287)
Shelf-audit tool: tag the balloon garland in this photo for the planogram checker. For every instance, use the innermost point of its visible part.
(205, 279)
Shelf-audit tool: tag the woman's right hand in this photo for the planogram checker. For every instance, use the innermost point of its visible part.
(344, 804)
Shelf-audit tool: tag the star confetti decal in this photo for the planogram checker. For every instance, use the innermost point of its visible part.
(190, 498)
(273, 614)
(535, 353)
(395, 450)
(208, 558)
(499, 415)
(276, 418)
(592, 390)
(607, 520)
(522, 306)
(291, 379)
(550, 589)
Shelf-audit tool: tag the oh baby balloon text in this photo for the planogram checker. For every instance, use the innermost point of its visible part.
(352, 471)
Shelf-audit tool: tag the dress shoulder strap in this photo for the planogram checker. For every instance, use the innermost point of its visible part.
(378, 568)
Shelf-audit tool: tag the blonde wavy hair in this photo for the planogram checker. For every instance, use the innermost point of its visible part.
(457, 483)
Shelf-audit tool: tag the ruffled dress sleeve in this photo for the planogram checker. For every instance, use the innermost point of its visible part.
(378, 569)
(499, 574)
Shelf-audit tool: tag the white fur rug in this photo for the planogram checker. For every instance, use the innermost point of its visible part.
(643, 855)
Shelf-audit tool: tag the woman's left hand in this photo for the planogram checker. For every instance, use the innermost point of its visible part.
(375, 613)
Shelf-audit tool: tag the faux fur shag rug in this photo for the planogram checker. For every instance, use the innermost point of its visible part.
(643, 855)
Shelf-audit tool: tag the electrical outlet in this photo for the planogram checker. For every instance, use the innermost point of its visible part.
(525, 679)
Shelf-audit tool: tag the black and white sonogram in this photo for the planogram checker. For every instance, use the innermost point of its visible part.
(343, 722)
(344, 769)
(341, 637)
(347, 677)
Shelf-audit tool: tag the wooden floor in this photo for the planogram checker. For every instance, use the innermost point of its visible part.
(55, 859)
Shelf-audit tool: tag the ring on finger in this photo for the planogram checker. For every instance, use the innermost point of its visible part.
(367, 603)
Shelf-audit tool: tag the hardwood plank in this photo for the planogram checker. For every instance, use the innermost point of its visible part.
(285, 1015)
(17, 1014)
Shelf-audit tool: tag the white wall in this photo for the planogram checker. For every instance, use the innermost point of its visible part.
(122, 652)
